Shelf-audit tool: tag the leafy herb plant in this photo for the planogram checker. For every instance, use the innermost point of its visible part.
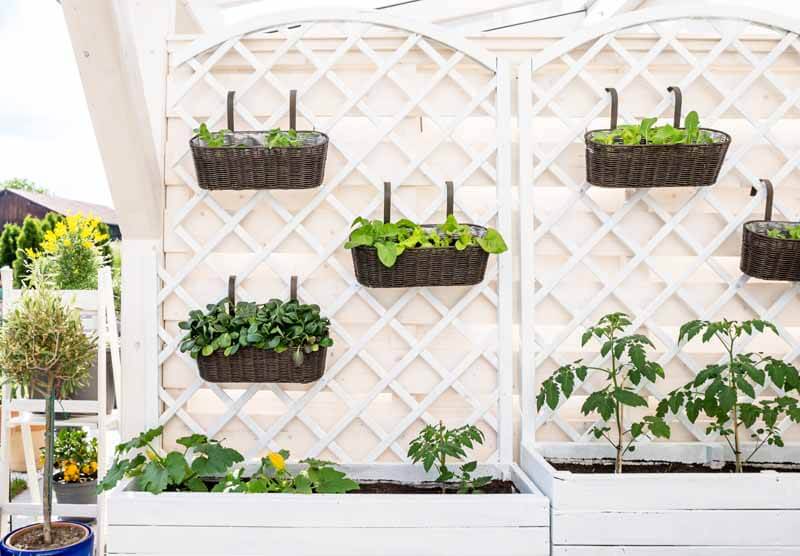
(276, 325)
(718, 389)
(177, 471)
(273, 476)
(792, 232)
(283, 139)
(628, 365)
(392, 239)
(211, 138)
(647, 133)
(75, 455)
(434, 444)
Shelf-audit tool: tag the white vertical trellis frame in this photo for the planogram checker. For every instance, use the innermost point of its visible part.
(551, 168)
(484, 89)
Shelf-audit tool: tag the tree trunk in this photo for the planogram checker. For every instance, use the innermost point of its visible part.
(47, 472)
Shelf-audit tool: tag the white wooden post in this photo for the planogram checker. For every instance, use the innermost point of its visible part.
(7, 280)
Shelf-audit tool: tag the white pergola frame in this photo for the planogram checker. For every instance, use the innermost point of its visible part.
(418, 36)
(531, 352)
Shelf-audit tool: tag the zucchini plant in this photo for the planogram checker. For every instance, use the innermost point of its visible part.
(392, 239)
(435, 443)
(628, 366)
(276, 325)
(718, 390)
(647, 133)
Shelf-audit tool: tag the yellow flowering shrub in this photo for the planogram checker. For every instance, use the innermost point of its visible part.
(72, 252)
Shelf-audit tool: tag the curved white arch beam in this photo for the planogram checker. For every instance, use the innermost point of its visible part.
(655, 15)
(433, 32)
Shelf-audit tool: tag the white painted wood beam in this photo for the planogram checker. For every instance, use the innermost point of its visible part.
(107, 60)
(207, 14)
(605, 9)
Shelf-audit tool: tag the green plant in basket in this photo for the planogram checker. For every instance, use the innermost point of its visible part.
(647, 133)
(392, 239)
(273, 476)
(791, 232)
(627, 367)
(435, 443)
(276, 325)
(282, 139)
(211, 138)
(718, 390)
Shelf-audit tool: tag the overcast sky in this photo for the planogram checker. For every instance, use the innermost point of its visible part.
(45, 131)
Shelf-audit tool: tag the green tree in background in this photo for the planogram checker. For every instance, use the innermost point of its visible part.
(49, 222)
(8, 244)
(30, 238)
(23, 185)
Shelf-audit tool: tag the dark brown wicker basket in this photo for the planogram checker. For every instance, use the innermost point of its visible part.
(769, 258)
(255, 166)
(436, 266)
(257, 365)
(644, 166)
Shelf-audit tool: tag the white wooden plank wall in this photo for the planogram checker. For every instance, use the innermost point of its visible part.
(670, 255)
(401, 358)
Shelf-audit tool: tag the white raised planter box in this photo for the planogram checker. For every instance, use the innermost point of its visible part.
(206, 524)
(659, 514)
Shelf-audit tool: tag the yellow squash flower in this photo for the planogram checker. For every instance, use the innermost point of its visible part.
(277, 461)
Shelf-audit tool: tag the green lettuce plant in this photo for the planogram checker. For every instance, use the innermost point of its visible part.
(647, 133)
(392, 239)
(718, 390)
(628, 366)
(791, 232)
(282, 139)
(211, 138)
(435, 443)
(276, 325)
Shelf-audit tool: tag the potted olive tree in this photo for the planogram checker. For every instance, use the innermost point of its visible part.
(44, 348)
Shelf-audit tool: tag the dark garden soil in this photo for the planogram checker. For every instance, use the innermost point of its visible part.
(32, 538)
(388, 487)
(607, 466)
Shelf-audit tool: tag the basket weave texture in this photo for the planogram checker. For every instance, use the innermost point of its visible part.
(769, 258)
(257, 167)
(640, 166)
(257, 365)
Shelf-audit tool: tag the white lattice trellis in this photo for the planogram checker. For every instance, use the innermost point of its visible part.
(663, 256)
(401, 102)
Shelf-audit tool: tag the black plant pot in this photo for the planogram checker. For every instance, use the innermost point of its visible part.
(75, 493)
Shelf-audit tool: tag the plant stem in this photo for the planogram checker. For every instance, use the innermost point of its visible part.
(442, 456)
(737, 452)
(47, 494)
(618, 412)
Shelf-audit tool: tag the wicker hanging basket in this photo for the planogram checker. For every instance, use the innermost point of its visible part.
(258, 365)
(246, 163)
(431, 266)
(643, 166)
(769, 258)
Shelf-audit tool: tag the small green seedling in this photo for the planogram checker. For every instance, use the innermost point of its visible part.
(436, 442)
(717, 390)
(628, 366)
(647, 133)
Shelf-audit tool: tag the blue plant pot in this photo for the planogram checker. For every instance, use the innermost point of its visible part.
(83, 548)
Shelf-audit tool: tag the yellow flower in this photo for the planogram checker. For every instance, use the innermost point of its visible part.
(151, 455)
(31, 253)
(71, 473)
(86, 232)
(87, 244)
(67, 242)
(277, 461)
(93, 466)
(60, 229)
